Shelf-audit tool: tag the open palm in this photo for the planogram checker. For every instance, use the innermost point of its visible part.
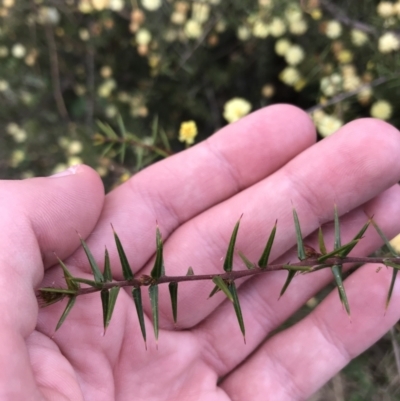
(259, 166)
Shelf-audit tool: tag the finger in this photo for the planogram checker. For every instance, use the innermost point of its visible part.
(190, 182)
(338, 170)
(262, 309)
(301, 359)
(39, 216)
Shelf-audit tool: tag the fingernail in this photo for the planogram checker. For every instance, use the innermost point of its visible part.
(69, 171)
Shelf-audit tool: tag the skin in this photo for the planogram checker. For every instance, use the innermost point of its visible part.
(261, 166)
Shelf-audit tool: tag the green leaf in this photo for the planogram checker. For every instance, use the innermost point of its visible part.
(356, 239)
(86, 281)
(263, 262)
(291, 274)
(228, 262)
(105, 297)
(158, 267)
(126, 268)
(298, 268)
(98, 276)
(391, 264)
(337, 243)
(190, 271)
(153, 293)
(137, 298)
(301, 253)
(107, 130)
(246, 261)
(165, 141)
(69, 279)
(236, 305)
(111, 303)
(321, 241)
(392, 282)
(337, 274)
(384, 239)
(107, 268)
(67, 309)
(339, 251)
(58, 290)
(214, 291)
(220, 283)
(173, 292)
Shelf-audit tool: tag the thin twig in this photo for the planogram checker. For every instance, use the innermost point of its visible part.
(341, 16)
(345, 95)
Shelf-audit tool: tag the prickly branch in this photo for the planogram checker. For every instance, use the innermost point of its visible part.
(310, 261)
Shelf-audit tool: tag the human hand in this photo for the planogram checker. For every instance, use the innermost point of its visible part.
(258, 166)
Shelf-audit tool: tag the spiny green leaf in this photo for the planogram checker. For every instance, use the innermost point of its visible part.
(58, 290)
(246, 261)
(111, 303)
(107, 268)
(356, 238)
(384, 239)
(98, 276)
(267, 250)
(214, 291)
(69, 279)
(236, 305)
(67, 309)
(157, 270)
(106, 128)
(86, 281)
(392, 282)
(337, 274)
(153, 293)
(137, 298)
(391, 264)
(46, 298)
(173, 292)
(337, 243)
(228, 262)
(220, 283)
(338, 252)
(291, 274)
(105, 297)
(126, 268)
(321, 241)
(301, 253)
(190, 271)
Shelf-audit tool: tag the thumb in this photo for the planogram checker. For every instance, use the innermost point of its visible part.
(38, 217)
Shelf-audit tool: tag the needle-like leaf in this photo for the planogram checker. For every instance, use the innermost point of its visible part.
(337, 243)
(339, 251)
(384, 239)
(98, 276)
(173, 292)
(158, 267)
(246, 261)
(355, 239)
(107, 268)
(214, 291)
(153, 293)
(263, 262)
(105, 297)
(291, 274)
(228, 262)
(190, 271)
(111, 303)
(69, 279)
(392, 282)
(321, 241)
(67, 309)
(337, 274)
(238, 310)
(137, 298)
(220, 283)
(126, 268)
(301, 253)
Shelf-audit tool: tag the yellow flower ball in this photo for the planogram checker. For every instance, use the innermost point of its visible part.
(385, 9)
(327, 125)
(151, 5)
(333, 29)
(235, 109)
(358, 38)
(193, 29)
(381, 109)
(290, 76)
(294, 55)
(388, 42)
(188, 132)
